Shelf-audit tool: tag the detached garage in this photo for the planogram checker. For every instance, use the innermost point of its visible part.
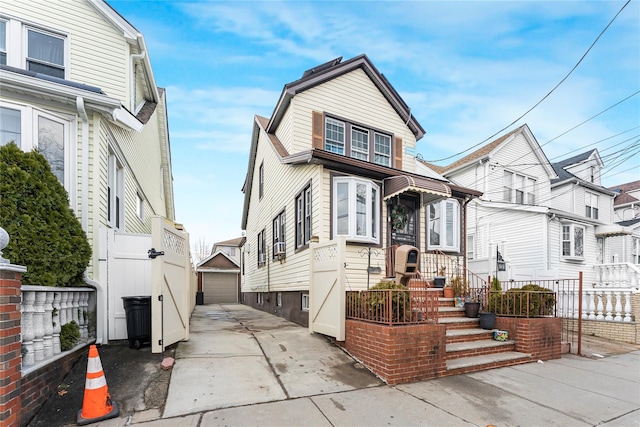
(218, 279)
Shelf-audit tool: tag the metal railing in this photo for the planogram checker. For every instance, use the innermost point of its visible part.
(393, 306)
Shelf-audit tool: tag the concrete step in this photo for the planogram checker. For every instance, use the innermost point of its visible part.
(478, 345)
(464, 335)
(459, 322)
(487, 361)
(450, 311)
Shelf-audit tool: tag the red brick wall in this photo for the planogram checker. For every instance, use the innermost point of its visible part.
(398, 354)
(10, 348)
(39, 385)
(540, 337)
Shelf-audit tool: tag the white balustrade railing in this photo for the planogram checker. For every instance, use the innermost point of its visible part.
(619, 275)
(44, 310)
(607, 304)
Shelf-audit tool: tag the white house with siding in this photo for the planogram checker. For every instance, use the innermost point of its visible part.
(336, 161)
(544, 220)
(76, 83)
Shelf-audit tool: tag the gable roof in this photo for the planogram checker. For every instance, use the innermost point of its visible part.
(623, 197)
(335, 68)
(217, 261)
(486, 151)
(237, 242)
(560, 166)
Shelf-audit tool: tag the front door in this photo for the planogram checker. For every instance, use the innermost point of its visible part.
(403, 221)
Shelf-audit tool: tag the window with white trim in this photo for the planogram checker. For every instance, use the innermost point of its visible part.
(573, 241)
(471, 246)
(36, 49)
(356, 209)
(305, 302)
(261, 181)
(45, 53)
(519, 189)
(443, 225)
(591, 205)
(357, 141)
(31, 128)
(635, 250)
(303, 217)
(115, 192)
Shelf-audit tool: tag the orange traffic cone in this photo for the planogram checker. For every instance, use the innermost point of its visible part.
(97, 404)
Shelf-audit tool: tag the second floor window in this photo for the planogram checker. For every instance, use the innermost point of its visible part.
(518, 189)
(591, 205)
(359, 142)
(45, 53)
(303, 217)
(573, 241)
(3, 42)
(356, 209)
(261, 181)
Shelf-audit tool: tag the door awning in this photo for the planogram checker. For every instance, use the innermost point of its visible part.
(431, 190)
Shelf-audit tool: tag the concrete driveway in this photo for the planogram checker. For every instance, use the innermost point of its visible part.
(239, 356)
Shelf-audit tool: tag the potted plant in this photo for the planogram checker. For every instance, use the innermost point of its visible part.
(488, 314)
(472, 304)
(460, 290)
(440, 280)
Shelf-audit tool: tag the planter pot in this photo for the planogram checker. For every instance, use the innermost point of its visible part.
(487, 320)
(471, 309)
(448, 292)
(439, 282)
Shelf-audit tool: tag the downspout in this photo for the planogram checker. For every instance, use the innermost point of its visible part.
(101, 295)
(132, 74)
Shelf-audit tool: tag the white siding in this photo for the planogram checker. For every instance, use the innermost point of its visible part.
(99, 56)
(354, 97)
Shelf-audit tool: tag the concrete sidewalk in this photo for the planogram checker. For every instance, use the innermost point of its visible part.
(243, 367)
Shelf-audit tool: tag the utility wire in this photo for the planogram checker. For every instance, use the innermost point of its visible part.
(544, 97)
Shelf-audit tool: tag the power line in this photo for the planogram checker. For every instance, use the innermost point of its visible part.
(544, 97)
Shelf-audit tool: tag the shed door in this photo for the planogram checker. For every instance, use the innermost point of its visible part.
(220, 288)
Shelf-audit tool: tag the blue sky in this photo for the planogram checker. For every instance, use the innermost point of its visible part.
(466, 69)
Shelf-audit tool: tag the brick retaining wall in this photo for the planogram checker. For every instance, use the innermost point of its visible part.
(398, 354)
(539, 337)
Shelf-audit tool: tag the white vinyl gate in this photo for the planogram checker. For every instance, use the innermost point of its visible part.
(128, 274)
(327, 293)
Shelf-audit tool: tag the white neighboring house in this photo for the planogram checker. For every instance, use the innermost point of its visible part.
(219, 273)
(626, 212)
(76, 83)
(544, 220)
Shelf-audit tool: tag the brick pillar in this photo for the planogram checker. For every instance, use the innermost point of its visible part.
(10, 344)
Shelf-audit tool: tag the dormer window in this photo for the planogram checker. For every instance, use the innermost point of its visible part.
(356, 141)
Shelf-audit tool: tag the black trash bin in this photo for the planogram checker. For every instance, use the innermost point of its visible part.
(138, 312)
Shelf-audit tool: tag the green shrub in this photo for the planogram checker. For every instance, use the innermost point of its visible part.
(45, 235)
(69, 335)
(530, 300)
(377, 301)
(460, 286)
(495, 295)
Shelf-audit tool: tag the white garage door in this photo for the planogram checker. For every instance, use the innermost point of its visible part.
(220, 287)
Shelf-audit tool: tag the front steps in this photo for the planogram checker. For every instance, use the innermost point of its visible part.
(470, 348)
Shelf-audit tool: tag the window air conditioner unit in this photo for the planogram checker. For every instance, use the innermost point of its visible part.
(262, 258)
(279, 248)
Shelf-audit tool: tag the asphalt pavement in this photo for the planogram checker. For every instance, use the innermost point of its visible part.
(244, 367)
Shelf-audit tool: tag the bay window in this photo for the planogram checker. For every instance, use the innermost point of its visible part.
(443, 225)
(573, 241)
(356, 209)
(31, 128)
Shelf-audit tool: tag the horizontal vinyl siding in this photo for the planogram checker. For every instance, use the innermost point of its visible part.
(353, 97)
(281, 185)
(284, 131)
(98, 54)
